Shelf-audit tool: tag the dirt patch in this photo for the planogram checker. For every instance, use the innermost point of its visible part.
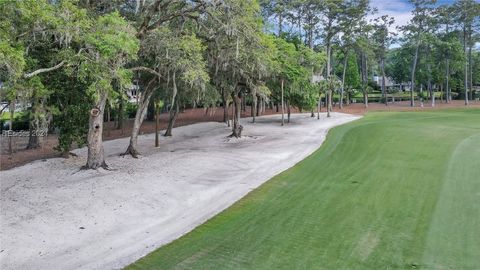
(366, 245)
(191, 116)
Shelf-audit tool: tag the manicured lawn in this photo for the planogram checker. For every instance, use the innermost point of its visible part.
(389, 191)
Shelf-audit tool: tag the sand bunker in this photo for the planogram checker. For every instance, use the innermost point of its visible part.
(55, 216)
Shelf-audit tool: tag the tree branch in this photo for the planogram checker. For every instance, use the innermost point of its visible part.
(146, 69)
(43, 70)
(187, 11)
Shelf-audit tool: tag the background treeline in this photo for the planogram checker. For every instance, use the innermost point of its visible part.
(71, 61)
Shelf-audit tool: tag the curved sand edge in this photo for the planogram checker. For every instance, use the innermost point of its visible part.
(54, 216)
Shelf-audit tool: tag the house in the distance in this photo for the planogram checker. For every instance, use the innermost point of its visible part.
(133, 92)
(317, 77)
(390, 84)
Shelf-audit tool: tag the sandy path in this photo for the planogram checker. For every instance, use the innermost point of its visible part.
(54, 216)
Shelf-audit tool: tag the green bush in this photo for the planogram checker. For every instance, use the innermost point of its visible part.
(131, 110)
(20, 122)
(72, 124)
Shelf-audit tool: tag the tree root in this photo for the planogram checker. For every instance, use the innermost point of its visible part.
(103, 166)
(131, 151)
(237, 133)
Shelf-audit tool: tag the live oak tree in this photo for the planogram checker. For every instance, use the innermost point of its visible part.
(35, 39)
(109, 44)
(151, 19)
(188, 68)
(70, 58)
(234, 35)
(295, 65)
(263, 65)
(177, 58)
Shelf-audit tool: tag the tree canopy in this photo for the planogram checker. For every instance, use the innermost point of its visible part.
(72, 61)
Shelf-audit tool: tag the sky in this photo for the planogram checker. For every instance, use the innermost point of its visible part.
(401, 10)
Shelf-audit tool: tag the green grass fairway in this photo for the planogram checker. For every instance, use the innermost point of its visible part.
(389, 191)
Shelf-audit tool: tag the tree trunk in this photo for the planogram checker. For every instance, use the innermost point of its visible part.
(329, 49)
(139, 117)
(466, 65)
(384, 90)
(365, 99)
(225, 106)
(329, 54)
(243, 101)
(108, 121)
(448, 97)
(414, 66)
(343, 79)
(288, 111)
(442, 93)
(33, 125)
(33, 142)
(236, 127)
(10, 126)
(447, 86)
(364, 79)
(283, 107)
(264, 106)
(430, 90)
(327, 103)
(280, 24)
(260, 106)
(157, 125)
(96, 156)
(174, 107)
(420, 98)
(140, 114)
(319, 106)
(233, 114)
(120, 115)
(174, 110)
(470, 66)
(310, 32)
(254, 107)
(432, 98)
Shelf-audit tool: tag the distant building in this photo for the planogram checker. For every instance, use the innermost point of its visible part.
(391, 84)
(317, 78)
(388, 81)
(133, 92)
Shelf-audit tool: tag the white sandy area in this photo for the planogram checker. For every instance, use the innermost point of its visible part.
(55, 216)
